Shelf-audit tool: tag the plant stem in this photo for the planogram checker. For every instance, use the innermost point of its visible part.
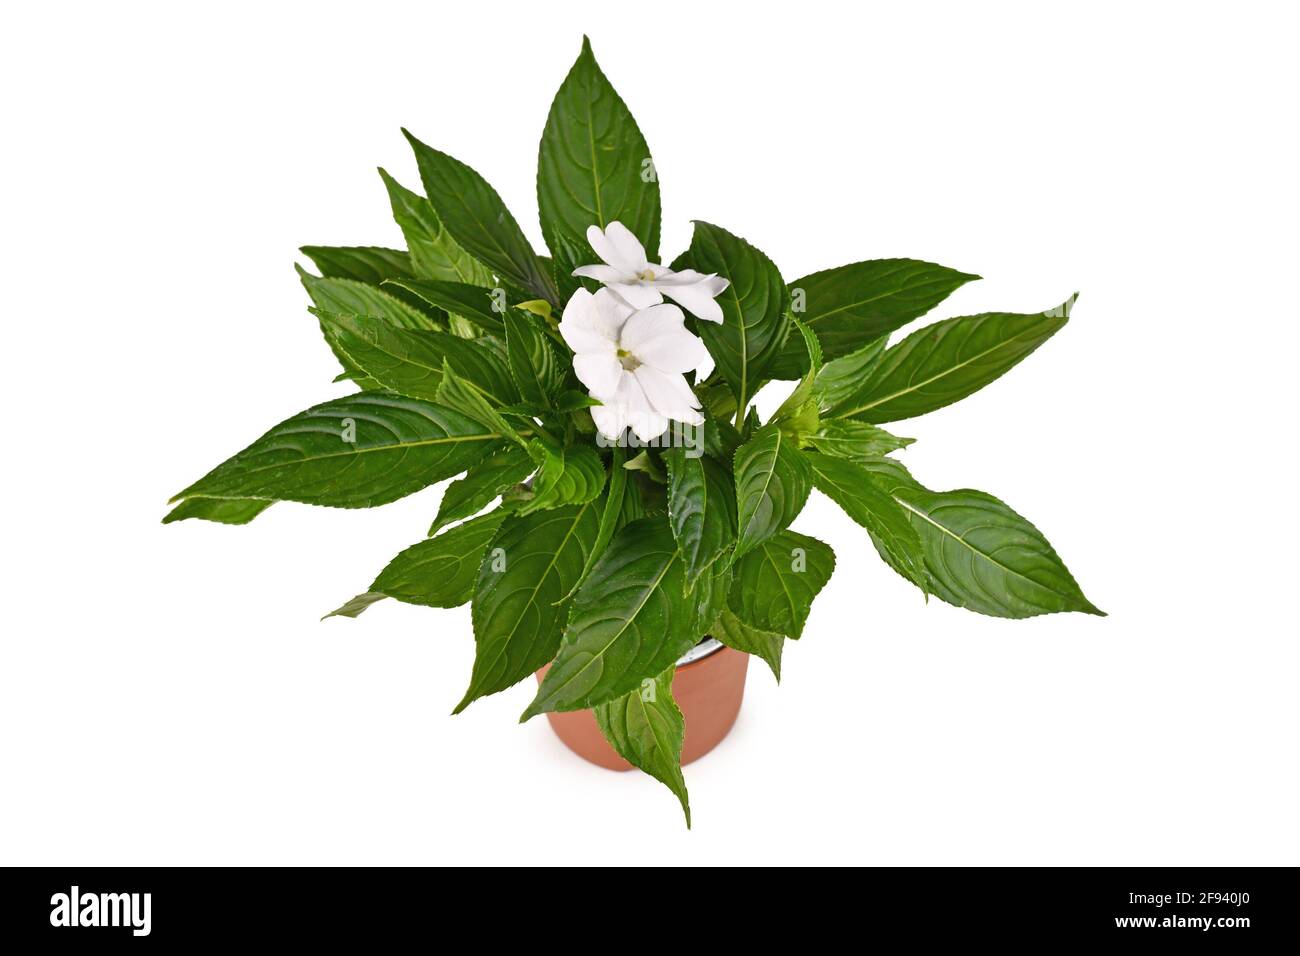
(740, 409)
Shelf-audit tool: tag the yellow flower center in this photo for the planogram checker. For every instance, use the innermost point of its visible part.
(628, 360)
(646, 275)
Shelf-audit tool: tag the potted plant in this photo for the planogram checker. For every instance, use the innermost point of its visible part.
(621, 523)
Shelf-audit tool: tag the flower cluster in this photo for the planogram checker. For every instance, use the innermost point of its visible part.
(630, 348)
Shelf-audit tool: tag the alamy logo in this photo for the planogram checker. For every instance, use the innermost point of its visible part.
(101, 909)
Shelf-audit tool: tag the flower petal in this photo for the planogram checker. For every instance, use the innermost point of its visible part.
(646, 323)
(602, 374)
(647, 425)
(608, 250)
(611, 312)
(600, 273)
(639, 295)
(610, 420)
(646, 422)
(681, 277)
(673, 350)
(581, 325)
(669, 395)
(697, 299)
(627, 245)
(716, 284)
(705, 368)
(631, 395)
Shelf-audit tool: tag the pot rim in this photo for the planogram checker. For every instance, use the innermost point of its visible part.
(706, 647)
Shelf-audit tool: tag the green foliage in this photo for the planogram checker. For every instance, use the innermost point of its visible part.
(412, 362)
(701, 509)
(609, 564)
(855, 441)
(980, 554)
(754, 308)
(850, 486)
(593, 168)
(571, 475)
(369, 264)
(220, 510)
(437, 572)
(941, 363)
(482, 484)
(465, 395)
(772, 484)
(479, 221)
(482, 306)
(519, 601)
(647, 730)
(536, 364)
(734, 632)
(631, 620)
(773, 586)
(850, 305)
(356, 452)
(351, 297)
(800, 414)
(434, 254)
(840, 382)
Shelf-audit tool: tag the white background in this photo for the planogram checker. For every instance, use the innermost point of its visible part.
(168, 695)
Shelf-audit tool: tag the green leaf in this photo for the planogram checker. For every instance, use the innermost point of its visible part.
(357, 605)
(799, 414)
(645, 463)
(773, 586)
(622, 506)
(852, 487)
(537, 367)
(944, 362)
(346, 296)
(708, 595)
(719, 403)
(482, 484)
(647, 730)
(434, 254)
(754, 325)
(571, 400)
(980, 554)
(358, 298)
(630, 621)
(701, 509)
(479, 221)
(593, 168)
(221, 510)
(358, 451)
(483, 307)
(842, 381)
(850, 305)
(538, 307)
(772, 484)
(721, 439)
(411, 362)
(734, 632)
(436, 572)
(369, 264)
(518, 608)
(570, 475)
(464, 396)
(855, 441)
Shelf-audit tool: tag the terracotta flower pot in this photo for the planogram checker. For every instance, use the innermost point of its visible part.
(708, 689)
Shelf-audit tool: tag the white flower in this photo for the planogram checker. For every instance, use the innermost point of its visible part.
(642, 283)
(634, 361)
